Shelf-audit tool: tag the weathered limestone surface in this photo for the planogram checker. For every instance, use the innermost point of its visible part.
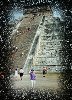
(40, 45)
(47, 49)
(22, 38)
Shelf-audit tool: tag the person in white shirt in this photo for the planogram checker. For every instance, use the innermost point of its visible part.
(21, 73)
(16, 72)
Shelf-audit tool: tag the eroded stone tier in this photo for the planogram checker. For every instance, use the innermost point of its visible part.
(48, 49)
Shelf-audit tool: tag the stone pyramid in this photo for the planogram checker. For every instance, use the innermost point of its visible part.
(46, 47)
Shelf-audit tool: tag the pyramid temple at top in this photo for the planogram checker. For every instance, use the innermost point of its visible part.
(46, 49)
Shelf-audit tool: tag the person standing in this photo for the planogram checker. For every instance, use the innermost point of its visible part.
(44, 71)
(32, 78)
(21, 73)
(16, 72)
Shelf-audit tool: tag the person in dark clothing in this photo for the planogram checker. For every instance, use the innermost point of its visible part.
(44, 71)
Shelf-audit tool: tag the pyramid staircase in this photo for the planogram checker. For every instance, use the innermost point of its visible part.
(46, 49)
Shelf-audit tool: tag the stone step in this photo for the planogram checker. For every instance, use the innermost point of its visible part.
(47, 51)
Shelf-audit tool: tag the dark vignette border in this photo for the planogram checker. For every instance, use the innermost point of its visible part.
(6, 93)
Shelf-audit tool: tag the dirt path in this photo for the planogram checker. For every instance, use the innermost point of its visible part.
(50, 81)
